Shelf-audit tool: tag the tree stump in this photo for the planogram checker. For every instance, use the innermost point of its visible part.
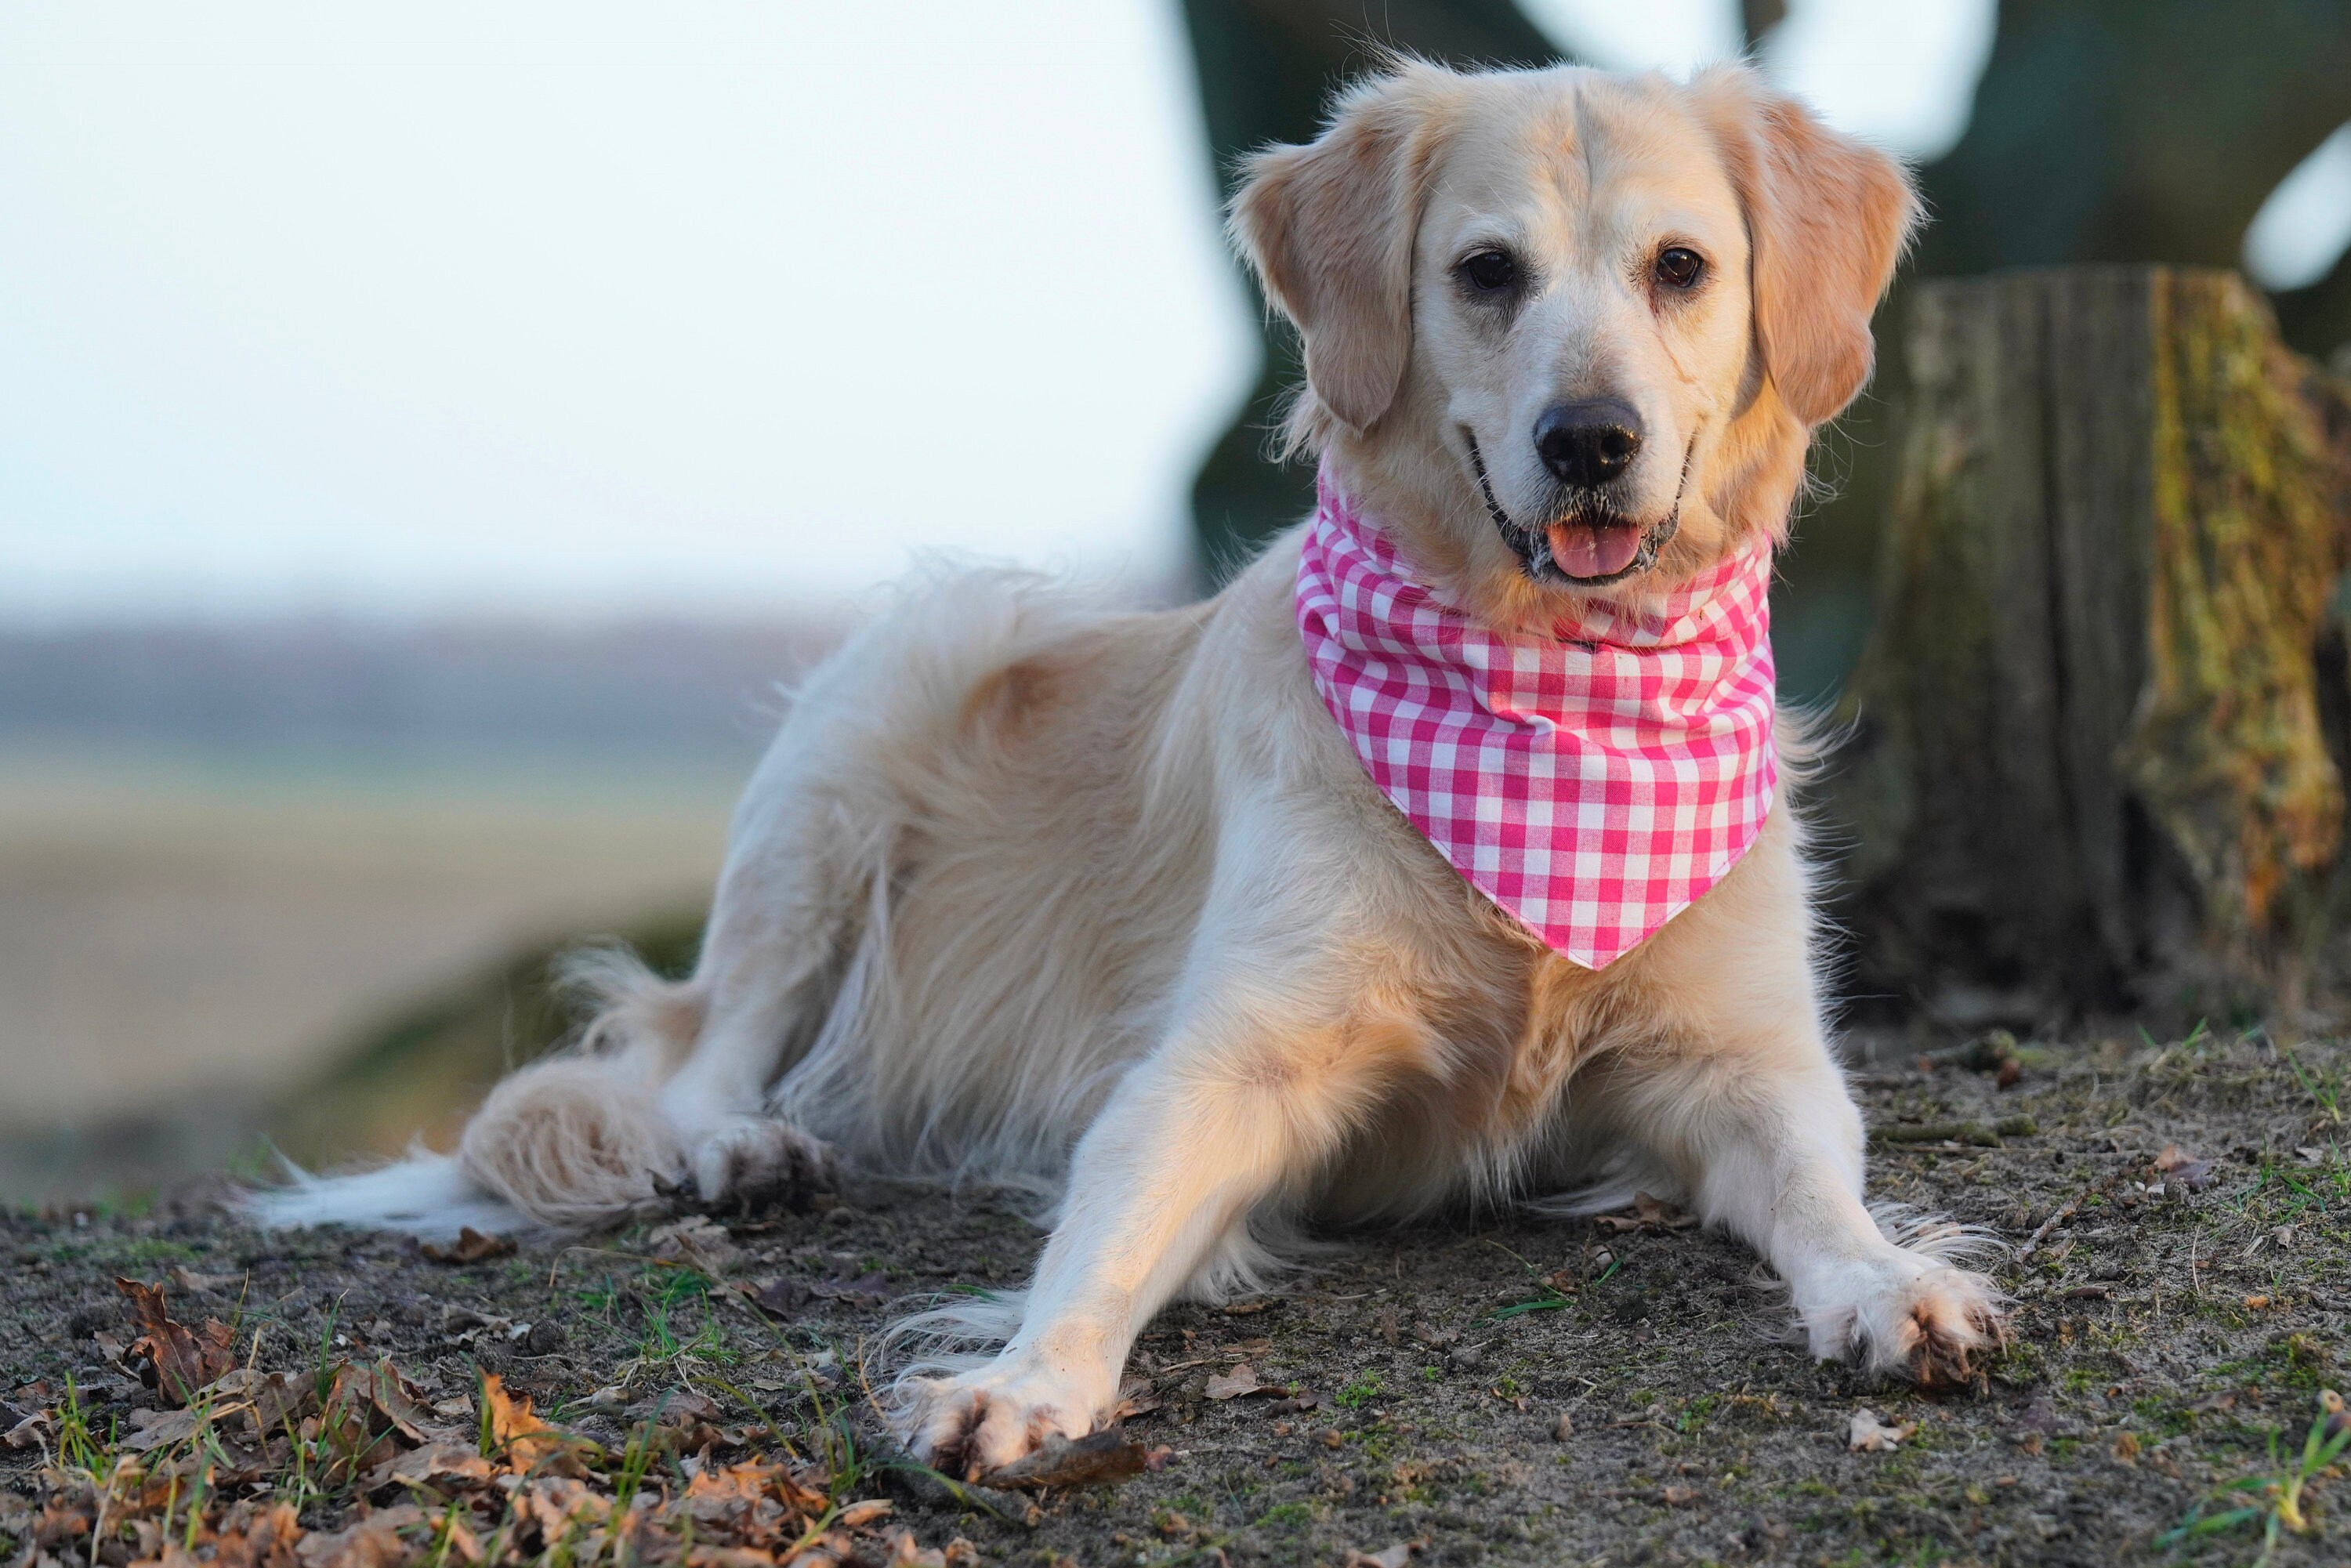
(2091, 764)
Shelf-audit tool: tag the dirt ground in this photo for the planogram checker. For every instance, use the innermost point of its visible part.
(2175, 1325)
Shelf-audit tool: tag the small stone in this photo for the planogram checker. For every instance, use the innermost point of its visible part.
(1563, 1428)
(544, 1339)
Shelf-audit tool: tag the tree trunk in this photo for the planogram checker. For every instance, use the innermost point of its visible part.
(2090, 767)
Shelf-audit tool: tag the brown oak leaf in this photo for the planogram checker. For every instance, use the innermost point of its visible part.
(170, 1357)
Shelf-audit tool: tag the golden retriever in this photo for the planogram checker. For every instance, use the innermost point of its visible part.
(1029, 889)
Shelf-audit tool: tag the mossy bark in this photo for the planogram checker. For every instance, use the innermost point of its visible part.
(2090, 766)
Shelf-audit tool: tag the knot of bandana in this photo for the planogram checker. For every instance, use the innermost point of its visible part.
(1595, 785)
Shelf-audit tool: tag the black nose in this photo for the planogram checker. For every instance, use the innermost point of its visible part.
(1590, 442)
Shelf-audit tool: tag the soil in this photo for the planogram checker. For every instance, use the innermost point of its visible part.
(2173, 1331)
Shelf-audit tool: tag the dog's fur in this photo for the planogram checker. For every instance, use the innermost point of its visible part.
(1031, 889)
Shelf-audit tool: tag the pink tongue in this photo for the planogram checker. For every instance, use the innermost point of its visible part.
(1581, 551)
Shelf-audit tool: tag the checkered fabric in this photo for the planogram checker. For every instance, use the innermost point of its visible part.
(1593, 786)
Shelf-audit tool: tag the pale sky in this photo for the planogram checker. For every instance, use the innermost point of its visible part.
(564, 308)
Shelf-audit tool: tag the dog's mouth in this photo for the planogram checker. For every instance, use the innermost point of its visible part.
(1590, 546)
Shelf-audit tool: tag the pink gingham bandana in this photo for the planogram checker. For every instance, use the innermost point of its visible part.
(1595, 785)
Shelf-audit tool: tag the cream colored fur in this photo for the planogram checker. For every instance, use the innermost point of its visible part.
(1031, 889)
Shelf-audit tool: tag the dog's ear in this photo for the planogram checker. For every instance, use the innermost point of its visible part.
(1827, 219)
(1329, 227)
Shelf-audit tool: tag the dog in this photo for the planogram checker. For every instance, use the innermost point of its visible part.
(1032, 889)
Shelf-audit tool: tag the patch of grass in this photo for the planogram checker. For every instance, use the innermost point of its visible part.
(1285, 1516)
(1549, 1298)
(150, 1250)
(2278, 1488)
(2324, 1085)
(1693, 1414)
(1360, 1392)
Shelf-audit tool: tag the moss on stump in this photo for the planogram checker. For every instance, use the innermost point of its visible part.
(2091, 763)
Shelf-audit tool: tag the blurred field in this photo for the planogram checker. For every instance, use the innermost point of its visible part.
(182, 939)
(236, 858)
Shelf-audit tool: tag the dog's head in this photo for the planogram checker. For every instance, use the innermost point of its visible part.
(1570, 332)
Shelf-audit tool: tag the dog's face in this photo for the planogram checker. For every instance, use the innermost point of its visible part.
(1579, 320)
(1570, 331)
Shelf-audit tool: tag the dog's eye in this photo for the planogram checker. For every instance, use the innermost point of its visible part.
(1678, 267)
(1489, 272)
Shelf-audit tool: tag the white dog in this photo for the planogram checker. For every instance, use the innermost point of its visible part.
(1166, 909)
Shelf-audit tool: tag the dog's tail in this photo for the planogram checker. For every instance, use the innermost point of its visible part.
(570, 1142)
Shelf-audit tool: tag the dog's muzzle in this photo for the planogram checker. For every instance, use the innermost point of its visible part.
(1540, 550)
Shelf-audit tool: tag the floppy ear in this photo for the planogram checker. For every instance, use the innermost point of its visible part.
(1329, 227)
(1827, 219)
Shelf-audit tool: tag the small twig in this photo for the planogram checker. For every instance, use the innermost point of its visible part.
(2048, 1225)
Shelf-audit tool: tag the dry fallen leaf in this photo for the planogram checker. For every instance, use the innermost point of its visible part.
(435, 1464)
(29, 1431)
(156, 1428)
(267, 1404)
(471, 1247)
(698, 1242)
(370, 1392)
(258, 1535)
(864, 1289)
(371, 1541)
(1240, 1381)
(1865, 1433)
(777, 1298)
(2192, 1174)
(676, 1405)
(513, 1429)
(169, 1356)
(1100, 1459)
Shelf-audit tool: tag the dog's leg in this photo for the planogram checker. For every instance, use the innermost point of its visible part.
(787, 905)
(1737, 1095)
(1768, 1144)
(1222, 1116)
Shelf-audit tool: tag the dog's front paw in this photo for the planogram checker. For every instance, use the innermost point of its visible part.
(754, 1160)
(1908, 1316)
(983, 1420)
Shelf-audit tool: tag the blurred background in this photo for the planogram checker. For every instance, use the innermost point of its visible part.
(429, 434)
